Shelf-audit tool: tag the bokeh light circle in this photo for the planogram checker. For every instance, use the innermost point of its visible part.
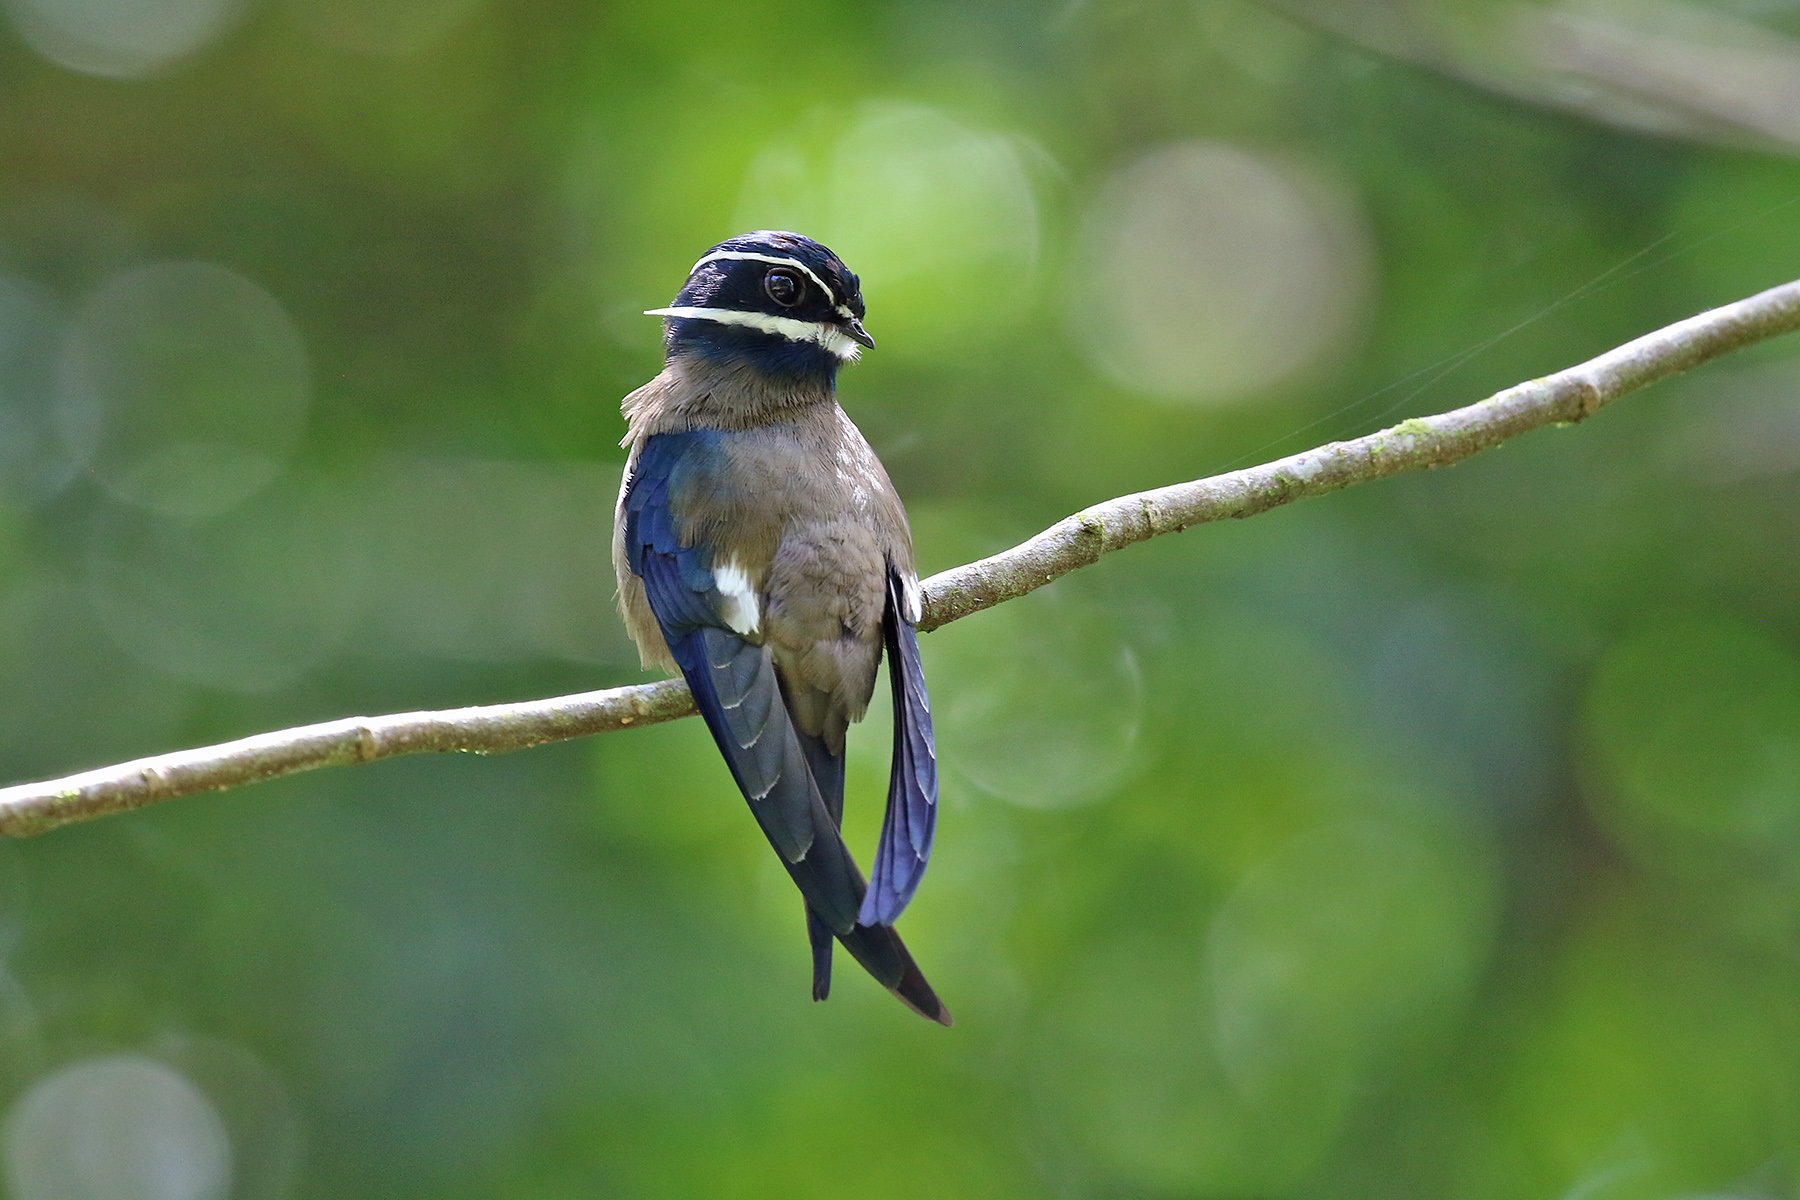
(120, 38)
(939, 218)
(122, 1127)
(34, 462)
(245, 602)
(491, 561)
(1331, 944)
(382, 28)
(185, 386)
(1042, 706)
(1694, 727)
(254, 1105)
(1207, 273)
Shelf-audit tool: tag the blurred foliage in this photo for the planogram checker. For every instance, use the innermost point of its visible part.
(1437, 839)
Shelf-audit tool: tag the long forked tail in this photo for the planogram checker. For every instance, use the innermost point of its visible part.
(877, 947)
(736, 689)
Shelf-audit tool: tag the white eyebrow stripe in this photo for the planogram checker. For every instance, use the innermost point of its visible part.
(828, 336)
(748, 256)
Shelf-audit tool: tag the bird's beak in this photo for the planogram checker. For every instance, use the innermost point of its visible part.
(858, 333)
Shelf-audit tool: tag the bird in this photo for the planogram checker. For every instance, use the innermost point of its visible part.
(763, 553)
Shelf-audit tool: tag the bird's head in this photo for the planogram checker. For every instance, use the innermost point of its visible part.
(780, 302)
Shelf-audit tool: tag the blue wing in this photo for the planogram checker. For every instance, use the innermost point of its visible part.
(908, 828)
(737, 689)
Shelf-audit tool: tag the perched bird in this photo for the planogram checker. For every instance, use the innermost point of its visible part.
(763, 553)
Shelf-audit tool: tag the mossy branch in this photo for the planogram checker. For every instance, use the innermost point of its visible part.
(1072, 543)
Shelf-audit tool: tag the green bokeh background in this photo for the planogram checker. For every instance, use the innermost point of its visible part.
(1437, 839)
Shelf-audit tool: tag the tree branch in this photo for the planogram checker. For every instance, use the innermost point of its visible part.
(1074, 542)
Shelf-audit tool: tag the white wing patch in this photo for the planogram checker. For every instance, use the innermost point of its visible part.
(739, 609)
(912, 598)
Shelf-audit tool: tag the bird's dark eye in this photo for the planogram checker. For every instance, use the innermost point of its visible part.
(784, 287)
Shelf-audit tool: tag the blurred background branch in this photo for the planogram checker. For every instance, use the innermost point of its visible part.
(1078, 541)
(1667, 67)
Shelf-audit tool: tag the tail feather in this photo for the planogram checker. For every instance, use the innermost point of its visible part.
(828, 773)
(771, 759)
(819, 934)
(878, 948)
(910, 823)
(882, 954)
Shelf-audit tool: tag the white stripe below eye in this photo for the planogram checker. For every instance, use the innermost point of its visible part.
(747, 256)
(828, 336)
(740, 609)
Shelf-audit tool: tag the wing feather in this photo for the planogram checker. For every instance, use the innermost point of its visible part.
(910, 823)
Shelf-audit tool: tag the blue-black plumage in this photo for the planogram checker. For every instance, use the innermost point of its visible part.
(763, 553)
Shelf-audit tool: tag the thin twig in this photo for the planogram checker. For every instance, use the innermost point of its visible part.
(1074, 542)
